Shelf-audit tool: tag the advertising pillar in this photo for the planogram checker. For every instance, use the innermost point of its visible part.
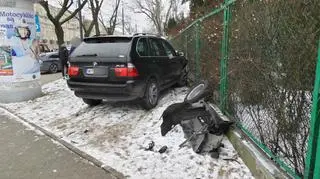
(19, 52)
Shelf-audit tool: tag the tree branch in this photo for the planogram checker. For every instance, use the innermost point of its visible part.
(74, 13)
(63, 9)
(102, 22)
(45, 5)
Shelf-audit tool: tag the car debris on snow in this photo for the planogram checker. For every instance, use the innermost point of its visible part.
(202, 126)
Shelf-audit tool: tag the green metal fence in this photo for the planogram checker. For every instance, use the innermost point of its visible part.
(313, 160)
(259, 57)
(202, 43)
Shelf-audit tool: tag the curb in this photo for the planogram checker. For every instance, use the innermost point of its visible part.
(258, 162)
(115, 174)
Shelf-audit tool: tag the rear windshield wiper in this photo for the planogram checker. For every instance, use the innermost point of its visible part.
(88, 55)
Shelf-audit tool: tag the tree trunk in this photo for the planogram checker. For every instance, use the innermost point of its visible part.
(90, 28)
(109, 31)
(59, 33)
(87, 33)
(158, 27)
(97, 25)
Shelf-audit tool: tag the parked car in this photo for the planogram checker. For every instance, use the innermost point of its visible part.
(123, 68)
(50, 62)
(44, 48)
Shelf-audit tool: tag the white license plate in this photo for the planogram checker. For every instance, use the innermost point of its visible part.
(90, 71)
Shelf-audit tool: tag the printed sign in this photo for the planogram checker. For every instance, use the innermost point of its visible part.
(38, 27)
(5, 61)
(18, 45)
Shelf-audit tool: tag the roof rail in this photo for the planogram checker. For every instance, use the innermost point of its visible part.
(157, 35)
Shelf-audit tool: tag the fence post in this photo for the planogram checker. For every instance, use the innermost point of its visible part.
(186, 45)
(197, 51)
(224, 59)
(313, 160)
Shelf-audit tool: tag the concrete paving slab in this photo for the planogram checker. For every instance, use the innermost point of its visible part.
(26, 154)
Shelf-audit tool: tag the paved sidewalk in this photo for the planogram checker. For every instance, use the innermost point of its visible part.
(47, 78)
(24, 154)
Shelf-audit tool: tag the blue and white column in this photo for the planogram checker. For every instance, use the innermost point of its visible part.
(19, 67)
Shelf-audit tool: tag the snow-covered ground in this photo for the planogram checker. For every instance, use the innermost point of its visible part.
(118, 133)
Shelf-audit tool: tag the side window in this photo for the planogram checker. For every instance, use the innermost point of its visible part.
(142, 47)
(157, 47)
(168, 49)
(54, 56)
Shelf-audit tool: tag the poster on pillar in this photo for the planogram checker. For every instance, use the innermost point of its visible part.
(19, 48)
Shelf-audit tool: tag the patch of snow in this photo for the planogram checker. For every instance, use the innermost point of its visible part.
(118, 133)
(57, 143)
(237, 134)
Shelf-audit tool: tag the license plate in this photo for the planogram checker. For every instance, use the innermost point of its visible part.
(90, 71)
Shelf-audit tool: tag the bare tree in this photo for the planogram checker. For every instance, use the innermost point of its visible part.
(61, 16)
(129, 27)
(157, 11)
(263, 80)
(95, 7)
(89, 25)
(113, 20)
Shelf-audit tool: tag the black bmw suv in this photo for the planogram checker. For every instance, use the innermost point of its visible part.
(123, 68)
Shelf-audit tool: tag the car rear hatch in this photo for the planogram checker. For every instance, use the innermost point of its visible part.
(101, 60)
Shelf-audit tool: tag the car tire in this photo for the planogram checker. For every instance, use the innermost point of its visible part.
(197, 92)
(183, 80)
(53, 68)
(151, 96)
(92, 102)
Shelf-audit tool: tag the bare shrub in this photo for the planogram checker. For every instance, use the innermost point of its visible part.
(271, 73)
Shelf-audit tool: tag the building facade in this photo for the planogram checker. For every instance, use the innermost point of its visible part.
(48, 35)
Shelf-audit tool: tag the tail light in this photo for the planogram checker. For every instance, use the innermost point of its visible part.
(73, 71)
(129, 71)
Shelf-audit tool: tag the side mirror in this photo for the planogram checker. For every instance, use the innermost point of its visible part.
(179, 53)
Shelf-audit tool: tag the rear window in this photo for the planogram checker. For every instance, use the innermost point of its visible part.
(103, 47)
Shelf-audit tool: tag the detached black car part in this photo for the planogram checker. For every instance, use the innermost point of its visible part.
(202, 126)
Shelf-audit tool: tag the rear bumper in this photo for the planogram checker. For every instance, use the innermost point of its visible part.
(112, 92)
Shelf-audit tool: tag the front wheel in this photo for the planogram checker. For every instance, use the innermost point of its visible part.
(53, 68)
(151, 96)
(92, 102)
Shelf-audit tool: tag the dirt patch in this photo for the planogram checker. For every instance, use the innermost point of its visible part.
(112, 134)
